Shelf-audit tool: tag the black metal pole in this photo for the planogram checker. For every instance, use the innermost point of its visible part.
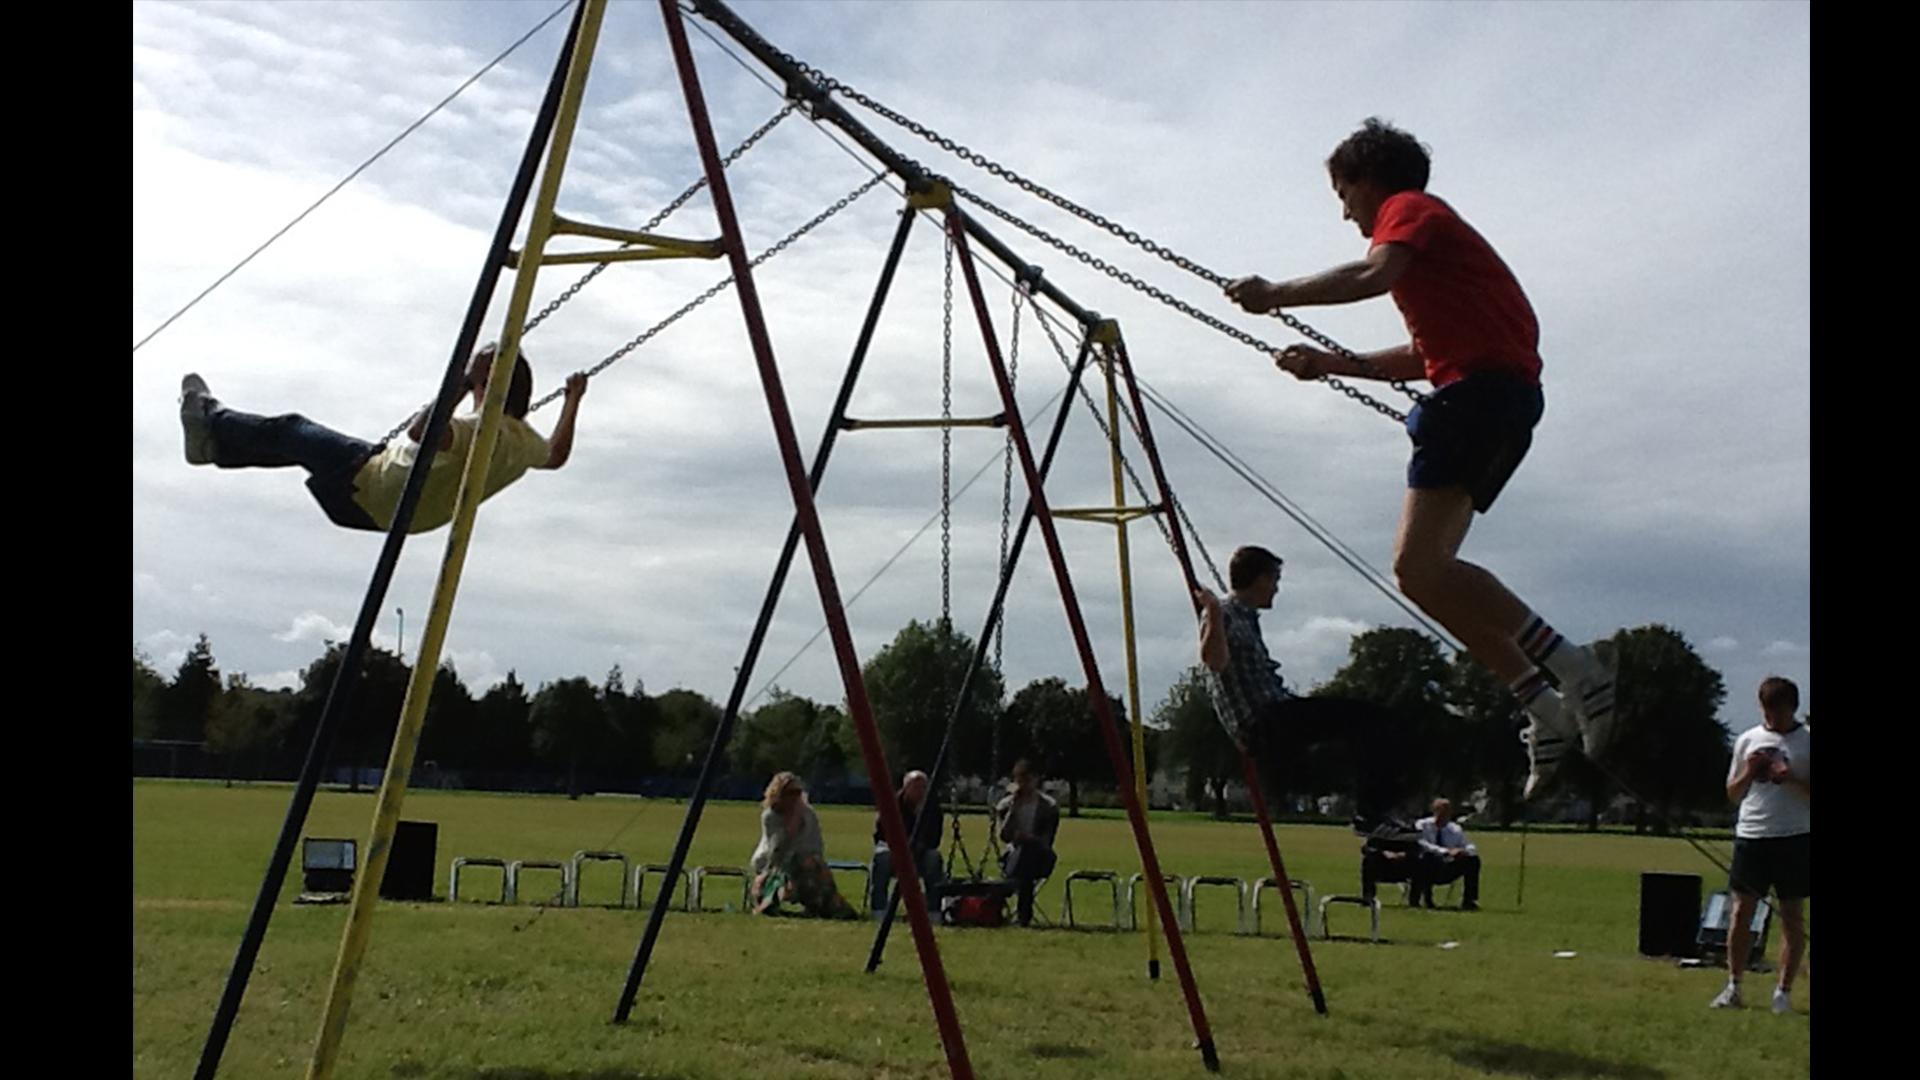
(986, 635)
(710, 768)
(340, 695)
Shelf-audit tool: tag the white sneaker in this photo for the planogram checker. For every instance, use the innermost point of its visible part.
(1729, 998)
(195, 403)
(1546, 748)
(1590, 698)
(1782, 1002)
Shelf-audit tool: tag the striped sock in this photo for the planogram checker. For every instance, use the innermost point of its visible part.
(1545, 647)
(1575, 669)
(1530, 686)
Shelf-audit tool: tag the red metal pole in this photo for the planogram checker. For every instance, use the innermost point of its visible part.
(1246, 763)
(1096, 691)
(1286, 885)
(858, 706)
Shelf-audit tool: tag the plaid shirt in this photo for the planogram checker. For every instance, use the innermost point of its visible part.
(1251, 680)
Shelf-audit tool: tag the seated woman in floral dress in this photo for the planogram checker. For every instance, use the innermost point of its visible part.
(790, 863)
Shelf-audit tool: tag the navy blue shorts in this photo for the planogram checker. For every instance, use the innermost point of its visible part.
(1783, 864)
(1472, 434)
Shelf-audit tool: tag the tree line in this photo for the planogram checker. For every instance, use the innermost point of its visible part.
(589, 735)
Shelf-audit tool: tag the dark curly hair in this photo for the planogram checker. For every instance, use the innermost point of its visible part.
(519, 391)
(1249, 564)
(1383, 154)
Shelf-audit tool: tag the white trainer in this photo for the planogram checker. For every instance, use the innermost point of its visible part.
(1590, 697)
(1729, 998)
(1546, 748)
(1782, 1003)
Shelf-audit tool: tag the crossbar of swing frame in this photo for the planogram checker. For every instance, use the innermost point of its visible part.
(997, 420)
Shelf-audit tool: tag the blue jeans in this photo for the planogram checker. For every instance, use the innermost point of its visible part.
(880, 881)
(245, 441)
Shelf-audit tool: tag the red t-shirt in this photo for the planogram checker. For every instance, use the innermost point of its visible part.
(1462, 305)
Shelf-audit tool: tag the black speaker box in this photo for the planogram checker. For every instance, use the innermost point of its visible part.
(1669, 914)
(410, 865)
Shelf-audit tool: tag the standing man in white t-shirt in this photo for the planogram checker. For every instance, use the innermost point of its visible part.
(1770, 779)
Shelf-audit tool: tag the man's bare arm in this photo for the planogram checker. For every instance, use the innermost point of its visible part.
(1344, 284)
(1306, 362)
(1213, 632)
(562, 442)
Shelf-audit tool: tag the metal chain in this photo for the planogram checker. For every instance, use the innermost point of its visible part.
(655, 221)
(652, 224)
(1020, 291)
(1176, 303)
(720, 286)
(1098, 221)
(1139, 487)
(946, 442)
(829, 83)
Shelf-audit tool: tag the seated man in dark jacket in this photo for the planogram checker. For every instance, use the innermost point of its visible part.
(1389, 859)
(917, 799)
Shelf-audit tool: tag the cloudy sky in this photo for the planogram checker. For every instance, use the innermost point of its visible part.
(1643, 168)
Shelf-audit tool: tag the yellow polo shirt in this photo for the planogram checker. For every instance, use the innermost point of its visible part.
(378, 484)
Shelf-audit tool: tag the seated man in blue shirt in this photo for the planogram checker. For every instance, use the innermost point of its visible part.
(1445, 856)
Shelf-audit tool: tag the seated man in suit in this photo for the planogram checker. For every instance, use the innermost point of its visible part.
(1445, 856)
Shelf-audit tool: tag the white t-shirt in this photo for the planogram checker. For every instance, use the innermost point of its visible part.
(1771, 810)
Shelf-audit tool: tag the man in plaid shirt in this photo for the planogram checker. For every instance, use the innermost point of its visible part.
(1263, 717)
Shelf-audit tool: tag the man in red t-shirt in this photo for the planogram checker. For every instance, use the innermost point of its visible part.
(1474, 336)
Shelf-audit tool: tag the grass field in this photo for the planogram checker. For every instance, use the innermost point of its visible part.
(471, 991)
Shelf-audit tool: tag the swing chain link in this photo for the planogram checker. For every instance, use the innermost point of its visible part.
(655, 221)
(720, 286)
(1021, 290)
(1099, 221)
(830, 84)
(1130, 280)
(946, 443)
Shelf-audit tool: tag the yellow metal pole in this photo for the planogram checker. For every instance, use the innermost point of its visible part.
(1126, 633)
(393, 787)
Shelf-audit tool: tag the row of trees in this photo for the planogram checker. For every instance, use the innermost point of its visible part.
(1673, 751)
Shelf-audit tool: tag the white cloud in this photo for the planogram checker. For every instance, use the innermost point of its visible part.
(1723, 644)
(313, 626)
(476, 668)
(1784, 650)
(167, 649)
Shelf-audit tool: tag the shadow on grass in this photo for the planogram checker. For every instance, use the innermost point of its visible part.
(1533, 1061)
(532, 1073)
(1059, 1050)
(523, 1072)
